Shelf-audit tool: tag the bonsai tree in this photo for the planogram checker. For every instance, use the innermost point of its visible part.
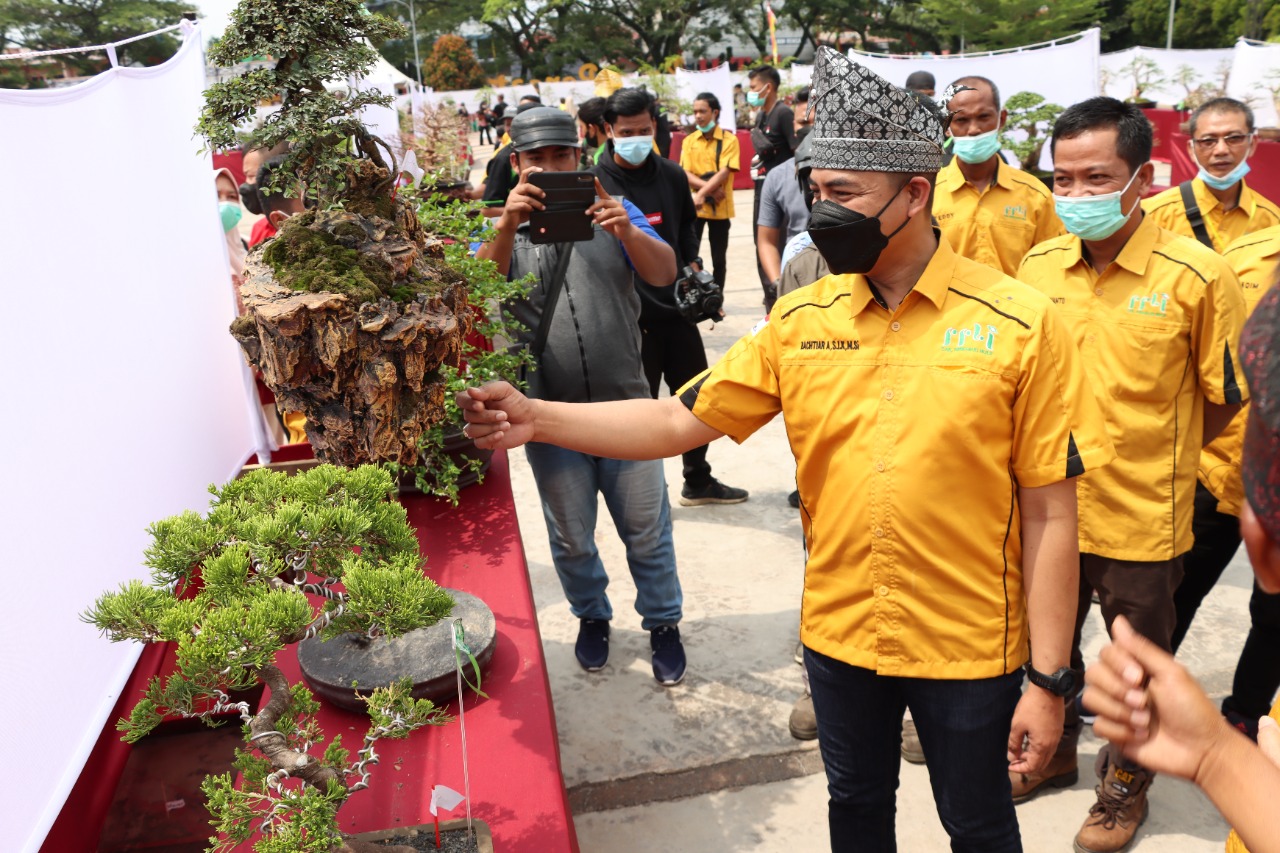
(1146, 74)
(234, 587)
(350, 310)
(1034, 116)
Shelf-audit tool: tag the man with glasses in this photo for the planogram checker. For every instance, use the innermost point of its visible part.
(1216, 207)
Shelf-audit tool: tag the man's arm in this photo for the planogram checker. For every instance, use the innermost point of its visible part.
(767, 249)
(499, 416)
(522, 200)
(1216, 418)
(1051, 578)
(651, 257)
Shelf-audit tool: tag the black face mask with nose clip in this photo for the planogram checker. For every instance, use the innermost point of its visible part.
(249, 198)
(850, 242)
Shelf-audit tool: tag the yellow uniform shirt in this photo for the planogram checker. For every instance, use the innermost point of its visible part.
(1255, 258)
(912, 432)
(998, 226)
(1158, 330)
(1224, 226)
(698, 155)
(1235, 844)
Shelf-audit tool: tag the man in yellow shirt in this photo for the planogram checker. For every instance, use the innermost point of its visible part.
(710, 161)
(1255, 258)
(1157, 318)
(1216, 207)
(989, 211)
(938, 414)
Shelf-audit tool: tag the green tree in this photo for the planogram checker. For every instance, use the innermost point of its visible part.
(452, 65)
(432, 19)
(1254, 19)
(1193, 24)
(546, 38)
(32, 25)
(996, 24)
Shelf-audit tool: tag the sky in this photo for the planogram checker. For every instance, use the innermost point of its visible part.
(214, 15)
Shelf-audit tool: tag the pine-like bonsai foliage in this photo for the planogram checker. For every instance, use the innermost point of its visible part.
(313, 41)
(266, 544)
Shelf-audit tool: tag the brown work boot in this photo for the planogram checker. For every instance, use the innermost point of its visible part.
(803, 722)
(1121, 807)
(1062, 771)
(912, 751)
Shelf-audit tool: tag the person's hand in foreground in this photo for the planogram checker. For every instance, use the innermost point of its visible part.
(497, 416)
(1150, 707)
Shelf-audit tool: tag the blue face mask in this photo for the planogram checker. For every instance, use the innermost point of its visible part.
(1228, 180)
(633, 149)
(707, 128)
(1094, 217)
(755, 99)
(230, 213)
(977, 149)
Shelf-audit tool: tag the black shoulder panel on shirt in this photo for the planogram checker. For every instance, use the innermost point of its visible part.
(1075, 465)
(796, 308)
(1044, 252)
(1183, 263)
(690, 395)
(1023, 323)
(1230, 388)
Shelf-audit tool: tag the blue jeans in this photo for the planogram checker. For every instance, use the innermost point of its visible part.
(964, 730)
(636, 496)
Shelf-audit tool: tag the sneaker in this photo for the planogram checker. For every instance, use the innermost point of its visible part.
(668, 655)
(592, 648)
(794, 499)
(1121, 807)
(803, 723)
(714, 492)
(912, 751)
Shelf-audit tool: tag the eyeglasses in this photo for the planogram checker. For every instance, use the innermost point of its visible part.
(1235, 140)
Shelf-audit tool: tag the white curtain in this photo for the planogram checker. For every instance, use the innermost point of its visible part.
(125, 393)
(717, 81)
(1254, 68)
(1208, 65)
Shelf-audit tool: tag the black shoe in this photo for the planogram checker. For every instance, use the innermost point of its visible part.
(592, 648)
(794, 499)
(668, 655)
(714, 492)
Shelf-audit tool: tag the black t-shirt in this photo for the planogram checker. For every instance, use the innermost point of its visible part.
(500, 178)
(499, 108)
(779, 125)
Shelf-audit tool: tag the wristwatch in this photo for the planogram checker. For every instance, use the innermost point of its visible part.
(1066, 682)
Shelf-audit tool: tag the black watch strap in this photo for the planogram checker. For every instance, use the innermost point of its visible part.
(1066, 682)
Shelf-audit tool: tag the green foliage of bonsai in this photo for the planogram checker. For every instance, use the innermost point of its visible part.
(268, 546)
(1031, 113)
(314, 41)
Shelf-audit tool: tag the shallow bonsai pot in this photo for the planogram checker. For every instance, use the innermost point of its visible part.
(409, 834)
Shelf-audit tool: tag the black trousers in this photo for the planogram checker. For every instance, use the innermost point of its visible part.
(770, 289)
(719, 229)
(485, 136)
(1257, 676)
(673, 348)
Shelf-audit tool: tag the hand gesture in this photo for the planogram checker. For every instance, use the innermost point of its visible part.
(1036, 730)
(523, 199)
(610, 214)
(497, 416)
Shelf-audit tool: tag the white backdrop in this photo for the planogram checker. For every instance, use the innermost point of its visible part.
(717, 81)
(125, 391)
(1250, 67)
(1207, 64)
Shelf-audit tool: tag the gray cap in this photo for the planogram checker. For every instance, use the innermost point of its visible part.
(541, 127)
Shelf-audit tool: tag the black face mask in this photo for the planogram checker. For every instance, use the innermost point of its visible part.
(850, 242)
(249, 198)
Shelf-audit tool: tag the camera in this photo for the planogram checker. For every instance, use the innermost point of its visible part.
(697, 295)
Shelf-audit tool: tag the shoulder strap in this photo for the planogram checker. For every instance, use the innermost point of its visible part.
(1194, 217)
(719, 143)
(554, 286)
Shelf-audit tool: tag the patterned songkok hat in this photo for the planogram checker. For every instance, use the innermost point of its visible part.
(1260, 465)
(864, 123)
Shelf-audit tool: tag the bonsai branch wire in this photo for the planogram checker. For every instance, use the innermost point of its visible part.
(274, 746)
(222, 705)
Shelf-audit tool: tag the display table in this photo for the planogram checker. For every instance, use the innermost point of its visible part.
(1264, 173)
(516, 782)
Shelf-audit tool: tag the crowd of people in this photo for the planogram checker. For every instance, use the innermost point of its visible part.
(938, 323)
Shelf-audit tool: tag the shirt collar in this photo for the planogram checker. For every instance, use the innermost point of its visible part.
(1208, 201)
(952, 179)
(1133, 257)
(932, 284)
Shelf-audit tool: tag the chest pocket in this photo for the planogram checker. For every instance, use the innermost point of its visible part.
(1147, 361)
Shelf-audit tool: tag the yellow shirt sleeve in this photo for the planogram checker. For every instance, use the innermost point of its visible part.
(1059, 431)
(738, 394)
(1215, 333)
(729, 155)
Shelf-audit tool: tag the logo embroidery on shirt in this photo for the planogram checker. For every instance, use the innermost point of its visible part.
(976, 339)
(1152, 306)
(654, 218)
(833, 344)
(1015, 211)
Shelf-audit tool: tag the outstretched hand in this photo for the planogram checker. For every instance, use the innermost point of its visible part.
(498, 417)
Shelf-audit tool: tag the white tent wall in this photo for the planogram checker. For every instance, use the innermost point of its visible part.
(126, 391)
(576, 90)
(1207, 64)
(1255, 67)
(717, 81)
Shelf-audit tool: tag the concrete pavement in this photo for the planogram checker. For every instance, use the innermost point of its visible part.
(709, 765)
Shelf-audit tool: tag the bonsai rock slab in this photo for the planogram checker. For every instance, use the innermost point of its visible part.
(425, 655)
